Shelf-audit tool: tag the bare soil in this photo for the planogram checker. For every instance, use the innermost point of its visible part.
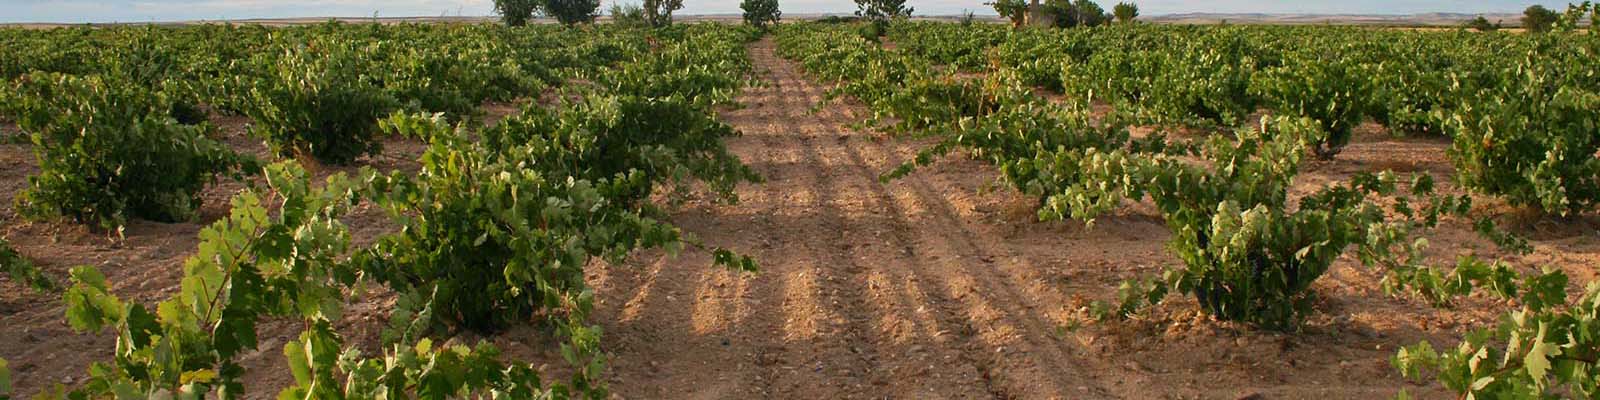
(939, 285)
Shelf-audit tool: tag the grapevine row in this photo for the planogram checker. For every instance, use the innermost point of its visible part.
(497, 226)
(1249, 251)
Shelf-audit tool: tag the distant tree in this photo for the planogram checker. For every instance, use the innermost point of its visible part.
(659, 12)
(1065, 13)
(1575, 15)
(967, 17)
(1070, 13)
(1482, 24)
(1538, 19)
(1594, 18)
(1090, 14)
(630, 15)
(1014, 10)
(834, 19)
(760, 13)
(1125, 12)
(572, 11)
(517, 12)
(882, 11)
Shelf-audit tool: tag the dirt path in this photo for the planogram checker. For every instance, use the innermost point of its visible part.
(935, 286)
(868, 290)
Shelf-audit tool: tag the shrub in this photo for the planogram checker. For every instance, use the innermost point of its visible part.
(1406, 96)
(1247, 255)
(249, 265)
(1547, 349)
(147, 58)
(21, 270)
(630, 15)
(1203, 86)
(835, 19)
(1532, 139)
(694, 72)
(496, 243)
(316, 101)
(500, 231)
(108, 151)
(760, 13)
(872, 32)
(1334, 93)
(288, 262)
(1231, 228)
(666, 140)
(454, 80)
(1482, 24)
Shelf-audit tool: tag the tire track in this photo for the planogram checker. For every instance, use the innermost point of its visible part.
(923, 338)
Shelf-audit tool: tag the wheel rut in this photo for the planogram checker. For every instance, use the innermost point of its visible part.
(867, 289)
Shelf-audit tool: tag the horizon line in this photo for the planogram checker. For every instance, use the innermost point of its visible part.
(989, 13)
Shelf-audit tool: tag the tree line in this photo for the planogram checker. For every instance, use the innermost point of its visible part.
(649, 13)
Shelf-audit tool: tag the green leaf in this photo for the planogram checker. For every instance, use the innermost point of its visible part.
(299, 361)
(1545, 290)
(1537, 361)
(141, 325)
(198, 376)
(5, 379)
(89, 306)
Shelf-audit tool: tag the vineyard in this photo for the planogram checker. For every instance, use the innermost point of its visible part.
(808, 210)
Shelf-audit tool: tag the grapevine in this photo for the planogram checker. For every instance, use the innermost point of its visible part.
(498, 224)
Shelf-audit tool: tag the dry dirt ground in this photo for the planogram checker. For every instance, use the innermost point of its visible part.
(939, 285)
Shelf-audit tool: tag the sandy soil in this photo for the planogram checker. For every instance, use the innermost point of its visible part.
(940, 285)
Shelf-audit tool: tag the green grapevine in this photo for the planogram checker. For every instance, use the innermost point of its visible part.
(1548, 349)
(108, 151)
(19, 269)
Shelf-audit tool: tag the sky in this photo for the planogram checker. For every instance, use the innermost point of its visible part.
(78, 11)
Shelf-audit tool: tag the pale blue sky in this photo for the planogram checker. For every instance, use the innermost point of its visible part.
(173, 10)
